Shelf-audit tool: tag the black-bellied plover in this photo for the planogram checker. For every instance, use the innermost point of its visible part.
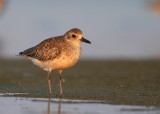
(57, 53)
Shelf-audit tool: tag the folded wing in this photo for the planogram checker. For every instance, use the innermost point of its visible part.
(44, 51)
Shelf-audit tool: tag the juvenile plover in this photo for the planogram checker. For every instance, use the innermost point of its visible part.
(57, 53)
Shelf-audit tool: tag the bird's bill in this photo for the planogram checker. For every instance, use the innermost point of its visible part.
(85, 40)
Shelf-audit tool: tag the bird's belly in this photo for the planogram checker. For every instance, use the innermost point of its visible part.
(63, 62)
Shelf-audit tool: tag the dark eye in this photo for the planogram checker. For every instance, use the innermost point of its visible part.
(73, 35)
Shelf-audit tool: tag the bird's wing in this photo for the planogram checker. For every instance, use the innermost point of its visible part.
(46, 50)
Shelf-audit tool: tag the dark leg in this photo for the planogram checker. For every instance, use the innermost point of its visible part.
(49, 82)
(60, 81)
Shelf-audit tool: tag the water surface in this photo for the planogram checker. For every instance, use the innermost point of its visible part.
(19, 105)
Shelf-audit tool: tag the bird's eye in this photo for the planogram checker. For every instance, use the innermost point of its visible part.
(73, 35)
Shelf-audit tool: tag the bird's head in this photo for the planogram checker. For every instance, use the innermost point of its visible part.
(75, 35)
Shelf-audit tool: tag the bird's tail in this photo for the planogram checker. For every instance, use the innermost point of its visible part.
(20, 54)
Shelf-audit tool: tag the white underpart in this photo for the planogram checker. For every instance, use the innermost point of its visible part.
(62, 62)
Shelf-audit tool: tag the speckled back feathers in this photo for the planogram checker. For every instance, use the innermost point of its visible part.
(46, 50)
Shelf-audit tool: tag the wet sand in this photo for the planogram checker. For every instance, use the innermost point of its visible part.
(113, 82)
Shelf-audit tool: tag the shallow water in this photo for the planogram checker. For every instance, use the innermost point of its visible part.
(19, 105)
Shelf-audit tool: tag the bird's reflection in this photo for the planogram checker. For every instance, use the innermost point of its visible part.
(49, 106)
(59, 106)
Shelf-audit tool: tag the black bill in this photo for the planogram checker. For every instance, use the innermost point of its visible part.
(85, 40)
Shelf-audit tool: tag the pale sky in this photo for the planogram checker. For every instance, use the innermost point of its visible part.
(116, 28)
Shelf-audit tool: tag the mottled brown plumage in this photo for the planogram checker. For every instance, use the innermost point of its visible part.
(57, 53)
(46, 50)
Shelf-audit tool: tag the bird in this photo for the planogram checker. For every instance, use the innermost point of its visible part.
(57, 53)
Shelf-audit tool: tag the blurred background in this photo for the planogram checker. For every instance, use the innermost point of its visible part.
(125, 36)
(118, 29)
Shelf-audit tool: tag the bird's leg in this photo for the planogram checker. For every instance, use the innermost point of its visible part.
(49, 82)
(60, 81)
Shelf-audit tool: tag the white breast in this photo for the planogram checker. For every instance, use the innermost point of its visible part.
(67, 59)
